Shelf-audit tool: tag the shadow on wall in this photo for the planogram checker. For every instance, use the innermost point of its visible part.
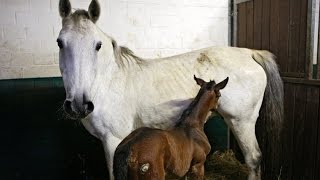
(37, 142)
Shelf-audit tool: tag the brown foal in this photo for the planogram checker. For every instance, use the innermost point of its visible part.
(149, 153)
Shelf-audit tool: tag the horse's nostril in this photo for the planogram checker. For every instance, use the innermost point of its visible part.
(89, 107)
(67, 106)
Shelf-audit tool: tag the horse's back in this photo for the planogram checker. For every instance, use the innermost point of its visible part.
(172, 77)
(170, 83)
(212, 56)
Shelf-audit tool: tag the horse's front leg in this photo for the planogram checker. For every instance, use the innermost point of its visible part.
(110, 144)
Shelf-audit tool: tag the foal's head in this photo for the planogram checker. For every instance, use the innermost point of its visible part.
(205, 101)
(210, 92)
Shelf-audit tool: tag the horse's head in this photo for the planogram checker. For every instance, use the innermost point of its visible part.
(211, 90)
(82, 46)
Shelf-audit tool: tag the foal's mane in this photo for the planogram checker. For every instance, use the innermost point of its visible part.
(123, 55)
(192, 105)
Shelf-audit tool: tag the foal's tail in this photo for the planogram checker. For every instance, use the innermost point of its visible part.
(269, 126)
(120, 166)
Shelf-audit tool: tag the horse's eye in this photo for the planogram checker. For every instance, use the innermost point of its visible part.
(60, 44)
(98, 46)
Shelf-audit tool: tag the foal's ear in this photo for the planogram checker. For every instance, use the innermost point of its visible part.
(94, 10)
(221, 84)
(199, 81)
(64, 8)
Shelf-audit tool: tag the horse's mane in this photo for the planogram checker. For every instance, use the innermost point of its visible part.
(124, 55)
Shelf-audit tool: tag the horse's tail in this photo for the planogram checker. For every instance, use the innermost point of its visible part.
(120, 164)
(269, 125)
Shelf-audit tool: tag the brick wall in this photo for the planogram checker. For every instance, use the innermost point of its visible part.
(151, 28)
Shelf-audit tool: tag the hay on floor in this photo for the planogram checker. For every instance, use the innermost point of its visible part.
(222, 166)
(225, 166)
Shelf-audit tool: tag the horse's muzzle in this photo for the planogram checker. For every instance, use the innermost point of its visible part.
(78, 111)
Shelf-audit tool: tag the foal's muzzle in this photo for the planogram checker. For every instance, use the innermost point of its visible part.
(76, 111)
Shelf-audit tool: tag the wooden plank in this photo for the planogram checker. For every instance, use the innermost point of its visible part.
(292, 74)
(234, 28)
(283, 35)
(242, 25)
(274, 27)
(287, 132)
(250, 27)
(301, 81)
(257, 23)
(299, 129)
(265, 31)
(310, 133)
(303, 38)
(317, 156)
(294, 35)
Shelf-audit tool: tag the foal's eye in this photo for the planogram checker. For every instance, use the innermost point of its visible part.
(98, 46)
(60, 43)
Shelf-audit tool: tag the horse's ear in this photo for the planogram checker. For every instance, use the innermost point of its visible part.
(94, 10)
(114, 44)
(199, 81)
(64, 8)
(221, 84)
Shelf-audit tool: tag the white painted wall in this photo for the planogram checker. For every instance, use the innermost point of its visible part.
(315, 6)
(151, 28)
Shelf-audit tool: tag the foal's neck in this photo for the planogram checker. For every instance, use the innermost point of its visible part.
(195, 115)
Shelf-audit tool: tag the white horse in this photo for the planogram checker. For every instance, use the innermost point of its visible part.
(114, 92)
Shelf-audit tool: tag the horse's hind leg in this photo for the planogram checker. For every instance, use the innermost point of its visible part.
(244, 131)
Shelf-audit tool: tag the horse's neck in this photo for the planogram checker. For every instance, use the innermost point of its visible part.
(110, 87)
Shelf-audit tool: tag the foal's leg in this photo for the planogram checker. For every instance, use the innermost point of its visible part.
(197, 171)
(157, 174)
(157, 171)
(244, 131)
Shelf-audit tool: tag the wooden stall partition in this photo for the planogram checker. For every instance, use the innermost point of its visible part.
(285, 28)
(278, 26)
(300, 147)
